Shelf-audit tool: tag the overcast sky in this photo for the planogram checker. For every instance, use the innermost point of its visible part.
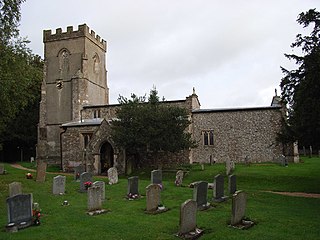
(230, 51)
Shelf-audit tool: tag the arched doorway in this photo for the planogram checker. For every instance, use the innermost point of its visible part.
(106, 157)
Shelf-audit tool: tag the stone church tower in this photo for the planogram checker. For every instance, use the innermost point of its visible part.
(74, 76)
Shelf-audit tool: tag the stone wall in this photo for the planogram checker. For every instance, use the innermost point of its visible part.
(73, 153)
(238, 133)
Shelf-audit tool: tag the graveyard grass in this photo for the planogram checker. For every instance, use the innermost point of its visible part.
(277, 216)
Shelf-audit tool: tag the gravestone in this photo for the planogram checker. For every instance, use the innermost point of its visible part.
(188, 221)
(156, 177)
(295, 152)
(77, 172)
(84, 177)
(218, 191)
(112, 175)
(188, 216)
(59, 185)
(20, 210)
(228, 167)
(15, 188)
(200, 193)
(179, 178)
(153, 197)
(246, 161)
(41, 171)
(239, 203)
(232, 184)
(133, 185)
(283, 161)
(94, 198)
(2, 169)
(102, 187)
(233, 165)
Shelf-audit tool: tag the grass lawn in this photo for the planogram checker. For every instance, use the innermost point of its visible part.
(277, 216)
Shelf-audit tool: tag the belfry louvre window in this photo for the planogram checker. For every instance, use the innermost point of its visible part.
(208, 137)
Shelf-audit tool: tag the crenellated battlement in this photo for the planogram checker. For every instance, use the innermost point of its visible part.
(83, 31)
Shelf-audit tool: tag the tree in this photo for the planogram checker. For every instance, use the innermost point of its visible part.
(152, 126)
(20, 79)
(301, 87)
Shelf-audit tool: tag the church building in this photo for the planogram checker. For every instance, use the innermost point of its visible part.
(75, 115)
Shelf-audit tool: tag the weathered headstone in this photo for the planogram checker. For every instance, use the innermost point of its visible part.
(41, 171)
(283, 161)
(15, 188)
(112, 175)
(296, 157)
(156, 177)
(77, 172)
(239, 202)
(2, 169)
(188, 221)
(153, 197)
(228, 167)
(246, 160)
(188, 216)
(232, 184)
(179, 178)
(218, 191)
(20, 210)
(84, 177)
(102, 186)
(200, 194)
(133, 185)
(233, 165)
(59, 185)
(94, 198)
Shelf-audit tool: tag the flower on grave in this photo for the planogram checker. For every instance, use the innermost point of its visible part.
(28, 175)
(132, 196)
(87, 184)
(161, 206)
(160, 185)
(177, 182)
(36, 213)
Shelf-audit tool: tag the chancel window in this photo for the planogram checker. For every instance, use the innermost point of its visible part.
(86, 139)
(208, 137)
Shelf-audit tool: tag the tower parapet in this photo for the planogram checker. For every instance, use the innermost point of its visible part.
(83, 31)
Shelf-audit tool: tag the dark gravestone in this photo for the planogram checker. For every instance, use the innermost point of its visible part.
(78, 171)
(20, 210)
(200, 194)
(85, 177)
(156, 177)
(59, 185)
(218, 191)
(15, 188)
(133, 185)
(188, 220)
(153, 197)
(41, 171)
(232, 184)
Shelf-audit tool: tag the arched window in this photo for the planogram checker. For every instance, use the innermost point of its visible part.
(96, 63)
(208, 137)
(64, 55)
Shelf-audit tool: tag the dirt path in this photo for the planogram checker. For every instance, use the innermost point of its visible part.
(297, 194)
(18, 166)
